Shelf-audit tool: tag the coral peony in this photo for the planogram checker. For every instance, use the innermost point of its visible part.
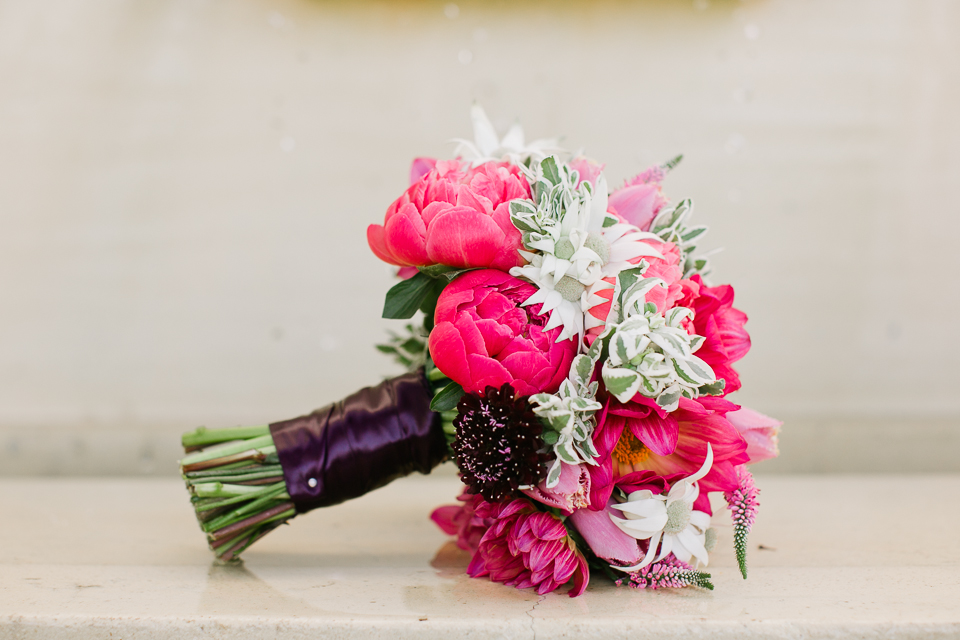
(639, 436)
(726, 341)
(453, 215)
(526, 548)
(483, 337)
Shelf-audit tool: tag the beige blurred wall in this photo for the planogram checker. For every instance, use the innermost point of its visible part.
(185, 187)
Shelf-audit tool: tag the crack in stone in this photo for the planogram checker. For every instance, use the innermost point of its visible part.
(533, 621)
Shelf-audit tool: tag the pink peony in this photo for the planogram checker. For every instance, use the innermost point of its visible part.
(526, 548)
(571, 493)
(483, 337)
(453, 215)
(640, 199)
(726, 341)
(639, 436)
(761, 433)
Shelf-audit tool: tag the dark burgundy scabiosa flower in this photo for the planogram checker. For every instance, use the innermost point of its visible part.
(498, 442)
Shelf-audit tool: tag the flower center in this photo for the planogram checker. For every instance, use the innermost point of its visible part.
(563, 249)
(570, 289)
(599, 245)
(629, 450)
(678, 517)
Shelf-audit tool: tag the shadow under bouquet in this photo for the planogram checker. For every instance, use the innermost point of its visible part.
(572, 361)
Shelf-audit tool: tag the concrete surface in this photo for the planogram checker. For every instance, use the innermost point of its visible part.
(842, 557)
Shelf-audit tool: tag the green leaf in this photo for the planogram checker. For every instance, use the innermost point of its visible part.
(429, 304)
(670, 164)
(693, 233)
(694, 370)
(668, 399)
(550, 437)
(406, 297)
(566, 453)
(447, 398)
(413, 345)
(622, 383)
(584, 368)
(550, 172)
(713, 389)
(589, 449)
(553, 476)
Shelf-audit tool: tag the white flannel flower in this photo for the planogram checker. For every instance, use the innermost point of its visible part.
(668, 521)
(571, 244)
(488, 146)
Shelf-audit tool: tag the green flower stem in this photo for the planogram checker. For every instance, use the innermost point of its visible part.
(237, 487)
(435, 375)
(221, 490)
(227, 450)
(225, 474)
(246, 510)
(202, 437)
(244, 457)
(242, 498)
(273, 513)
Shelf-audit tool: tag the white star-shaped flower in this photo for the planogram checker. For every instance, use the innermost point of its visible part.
(668, 521)
(487, 145)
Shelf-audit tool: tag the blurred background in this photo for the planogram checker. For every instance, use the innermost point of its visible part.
(185, 187)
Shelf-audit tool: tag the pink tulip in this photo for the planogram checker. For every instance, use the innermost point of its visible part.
(640, 199)
(588, 169)
(453, 215)
(572, 491)
(483, 337)
(526, 548)
(761, 433)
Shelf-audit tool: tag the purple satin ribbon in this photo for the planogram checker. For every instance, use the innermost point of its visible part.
(360, 443)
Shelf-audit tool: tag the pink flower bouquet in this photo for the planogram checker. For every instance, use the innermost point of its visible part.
(572, 361)
(581, 365)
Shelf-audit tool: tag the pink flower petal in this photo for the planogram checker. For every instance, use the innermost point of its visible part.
(405, 237)
(604, 537)
(420, 167)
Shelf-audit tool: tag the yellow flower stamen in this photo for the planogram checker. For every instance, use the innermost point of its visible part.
(629, 450)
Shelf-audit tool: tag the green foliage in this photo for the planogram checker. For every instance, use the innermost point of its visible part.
(447, 398)
(410, 349)
(671, 225)
(417, 293)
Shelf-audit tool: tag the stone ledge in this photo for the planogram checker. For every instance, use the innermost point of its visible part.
(843, 558)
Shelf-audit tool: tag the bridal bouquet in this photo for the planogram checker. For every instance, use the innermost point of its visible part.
(572, 360)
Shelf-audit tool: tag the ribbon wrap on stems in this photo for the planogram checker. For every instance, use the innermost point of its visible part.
(360, 443)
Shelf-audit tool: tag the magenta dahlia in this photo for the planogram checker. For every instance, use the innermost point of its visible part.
(527, 548)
